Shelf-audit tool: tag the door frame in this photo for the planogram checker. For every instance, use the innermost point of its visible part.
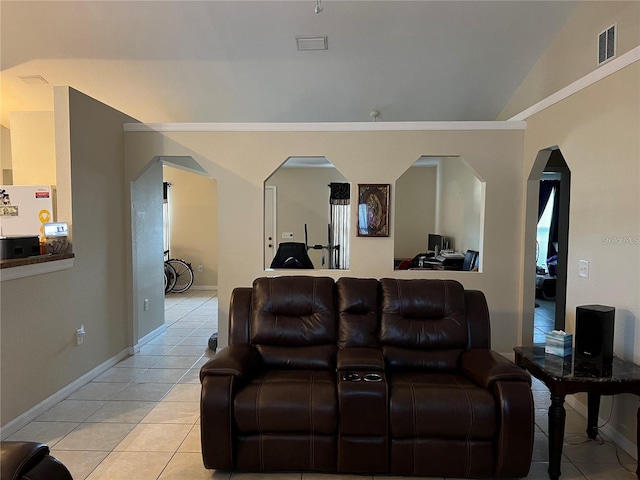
(548, 159)
(272, 209)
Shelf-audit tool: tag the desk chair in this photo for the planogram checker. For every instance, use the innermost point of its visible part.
(470, 260)
(291, 255)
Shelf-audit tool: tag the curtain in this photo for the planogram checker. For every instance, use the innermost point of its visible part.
(340, 221)
(553, 228)
(546, 187)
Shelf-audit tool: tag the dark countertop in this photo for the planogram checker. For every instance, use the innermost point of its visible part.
(21, 262)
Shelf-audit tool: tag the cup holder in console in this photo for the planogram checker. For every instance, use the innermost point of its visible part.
(372, 377)
(367, 377)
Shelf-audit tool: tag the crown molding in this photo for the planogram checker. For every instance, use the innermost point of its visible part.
(321, 126)
(604, 71)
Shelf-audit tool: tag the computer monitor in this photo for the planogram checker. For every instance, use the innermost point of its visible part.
(434, 241)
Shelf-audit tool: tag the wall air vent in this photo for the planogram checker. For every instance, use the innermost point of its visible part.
(607, 44)
(312, 43)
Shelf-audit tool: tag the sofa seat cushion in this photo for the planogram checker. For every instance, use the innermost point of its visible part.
(440, 405)
(288, 401)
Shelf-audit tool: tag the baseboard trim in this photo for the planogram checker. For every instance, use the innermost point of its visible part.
(147, 338)
(151, 335)
(205, 287)
(16, 424)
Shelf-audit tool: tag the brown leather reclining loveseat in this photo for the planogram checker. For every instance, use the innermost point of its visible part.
(364, 376)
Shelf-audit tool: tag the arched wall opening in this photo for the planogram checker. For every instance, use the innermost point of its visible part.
(147, 238)
(545, 282)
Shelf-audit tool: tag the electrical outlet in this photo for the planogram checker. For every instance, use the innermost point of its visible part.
(288, 235)
(146, 304)
(200, 268)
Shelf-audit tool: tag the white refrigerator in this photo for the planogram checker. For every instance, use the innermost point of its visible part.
(24, 209)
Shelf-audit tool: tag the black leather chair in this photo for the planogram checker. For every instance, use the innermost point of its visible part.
(30, 461)
(470, 260)
(292, 255)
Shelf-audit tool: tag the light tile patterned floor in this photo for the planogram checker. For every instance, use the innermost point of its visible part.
(544, 319)
(140, 419)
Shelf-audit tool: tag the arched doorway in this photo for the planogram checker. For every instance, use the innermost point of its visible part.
(547, 229)
(148, 246)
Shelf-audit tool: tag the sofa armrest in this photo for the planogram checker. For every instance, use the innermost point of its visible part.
(221, 378)
(485, 367)
(511, 387)
(360, 359)
(31, 460)
(238, 361)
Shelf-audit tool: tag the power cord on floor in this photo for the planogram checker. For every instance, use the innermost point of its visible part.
(601, 441)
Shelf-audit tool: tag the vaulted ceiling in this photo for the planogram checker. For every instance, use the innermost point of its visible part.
(236, 60)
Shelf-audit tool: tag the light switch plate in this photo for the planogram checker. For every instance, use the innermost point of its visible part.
(583, 268)
(287, 235)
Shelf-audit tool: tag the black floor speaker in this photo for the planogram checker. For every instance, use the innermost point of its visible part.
(594, 337)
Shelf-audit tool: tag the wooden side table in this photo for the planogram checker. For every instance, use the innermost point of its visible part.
(563, 377)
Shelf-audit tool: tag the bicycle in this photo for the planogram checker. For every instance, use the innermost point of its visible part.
(178, 274)
(170, 277)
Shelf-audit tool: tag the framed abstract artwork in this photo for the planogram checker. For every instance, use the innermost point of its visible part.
(373, 210)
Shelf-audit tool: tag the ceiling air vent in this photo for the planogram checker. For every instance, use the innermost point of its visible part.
(312, 43)
(607, 44)
(33, 79)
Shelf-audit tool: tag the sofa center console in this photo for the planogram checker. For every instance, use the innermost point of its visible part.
(362, 404)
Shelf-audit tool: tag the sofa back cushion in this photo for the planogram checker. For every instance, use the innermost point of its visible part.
(423, 323)
(293, 322)
(358, 307)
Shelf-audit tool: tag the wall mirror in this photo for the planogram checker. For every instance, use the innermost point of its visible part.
(306, 215)
(439, 205)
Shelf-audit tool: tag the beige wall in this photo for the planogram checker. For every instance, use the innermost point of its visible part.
(241, 161)
(302, 196)
(597, 133)
(33, 148)
(5, 156)
(194, 222)
(414, 214)
(461, 200)
(574, 52)
(40, 314)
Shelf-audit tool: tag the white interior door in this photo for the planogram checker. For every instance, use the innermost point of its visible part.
(270, 214)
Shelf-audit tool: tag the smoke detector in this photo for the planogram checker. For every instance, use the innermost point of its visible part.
(312, 43)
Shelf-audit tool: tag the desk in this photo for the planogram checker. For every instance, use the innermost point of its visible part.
(562, 378)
